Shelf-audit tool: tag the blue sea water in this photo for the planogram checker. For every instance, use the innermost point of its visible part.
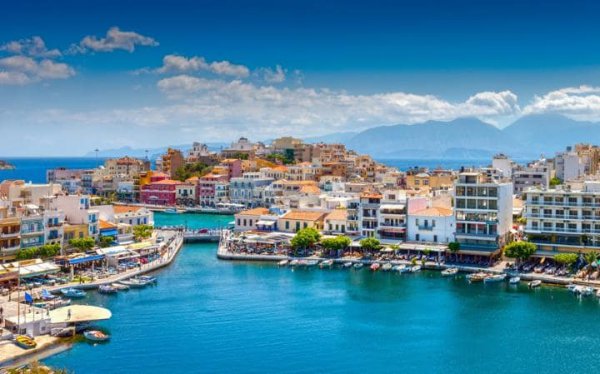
(34, 169)
(211, 316)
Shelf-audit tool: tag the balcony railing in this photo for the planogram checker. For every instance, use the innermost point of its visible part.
(9, 235)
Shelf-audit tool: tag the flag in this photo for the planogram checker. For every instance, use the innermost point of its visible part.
(28, 298)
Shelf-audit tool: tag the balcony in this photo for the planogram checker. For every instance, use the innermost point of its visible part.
(4, 251)
(426, 227)
(10, 235)
(476, 235)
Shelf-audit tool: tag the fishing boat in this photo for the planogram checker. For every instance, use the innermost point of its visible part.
(147, 279)
(73, 293)
(375, 266)
(534, 284)
(96, 336)
(311, 263)
(476, 277)
(25, 342)
(449, 272)
(326, 263)
(415, 269)
(119, 286)
(386, 267)
(133, 283)
(170, 211)
(358, 265)
(514, 280)
(347, 264)
(495, 278)
(107, 289)
(294, 263)
(283, 263)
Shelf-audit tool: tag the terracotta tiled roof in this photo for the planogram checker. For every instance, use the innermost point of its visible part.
(120, 209)
(254, 212)
(433, 212)
(303, 215)
(168, 181)
(308, 189)
(106, 225)
(337, 215)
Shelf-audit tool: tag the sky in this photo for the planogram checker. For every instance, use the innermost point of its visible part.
(80, 75)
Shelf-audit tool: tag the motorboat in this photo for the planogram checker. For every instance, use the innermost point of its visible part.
(449, 272)
(347, 264)
(311, 263)
(96, 336)
(73, 293)
(133, 283)
(283, 263)
(386, 267)
(514, 280)
(326, 263)
(119, 286)
(572, 287)
(147, 279)
(587, 291)
(375, 266)
(25, 342)
(535, 283)
(415, 269)
(495, 278)
(170, 211)
(294, 263)
(107, 289)
(358, 266)
(477, 277)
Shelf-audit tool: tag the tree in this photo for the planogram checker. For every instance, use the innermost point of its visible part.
(567, 259)
(44, 251)
(370, 244)
(336, 244)
(141, 232)
(522, 221)
(520, 250)
(82, 244)
(106, 241)
(590, 258)
(555, 182)
(454, 247)
(305, 238)
(197, 169)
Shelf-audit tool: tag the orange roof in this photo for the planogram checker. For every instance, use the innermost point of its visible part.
(119, 209)
(254, 212)
(280, 168)
(310, 189)
(303, 215)
(434, 212)
(192, 179)
(168, 181)
(106, 225)
(371, 195)
(159, 174)
(337, 215)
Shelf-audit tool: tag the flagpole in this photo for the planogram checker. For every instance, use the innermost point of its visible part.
(18, 297)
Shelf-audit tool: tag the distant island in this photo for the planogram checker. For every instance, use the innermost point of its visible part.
(5, 165)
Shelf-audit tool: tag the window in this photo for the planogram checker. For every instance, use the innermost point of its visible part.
(435, 238)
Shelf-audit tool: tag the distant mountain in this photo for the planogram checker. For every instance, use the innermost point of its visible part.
(458, 139)
(152, 152)
(337, 137)
(550, 133)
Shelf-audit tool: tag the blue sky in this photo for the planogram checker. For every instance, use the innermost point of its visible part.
(79, 75)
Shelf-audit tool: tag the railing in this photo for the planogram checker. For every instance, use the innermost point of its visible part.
(10, 234)
(426, 227)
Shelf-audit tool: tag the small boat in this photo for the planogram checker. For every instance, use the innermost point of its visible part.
(73, 293)
(514, 280)
(326, 263)
(170, 211)
(107, 289)
(403, 269)
(375, 266)
(147, 279)
(586, 291)
(133, 283)
(386, 267)
(283, 263)
(310, 263)
(358, 266)
(25, 342)
(534, 284)
(449, 272)
(495, 278)
(96, 336)
(347, 264)
(415, 269)
(476, 277)
(294, 263)
(119, 286)
(572, 287)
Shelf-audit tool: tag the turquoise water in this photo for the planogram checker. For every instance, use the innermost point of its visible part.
(209, 316)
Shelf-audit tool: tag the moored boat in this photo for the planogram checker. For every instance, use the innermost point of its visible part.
(348, 264)
(415, 269)
(73, 293)
(294, 263)
(326, 263)
(96, 336)
(147, 279)
(477, 277)
(375, 266)
(107, 289)
(514, 280)
(25, 342)
(495, 278)
(310, 263)
(449, 272)
(358, 265)
(283, 263)
(535, 283)
(119, 286)
(386, 267)
(133, 283)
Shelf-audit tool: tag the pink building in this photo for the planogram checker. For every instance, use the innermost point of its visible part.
(233, 166)
(163, 192)
(206, 188)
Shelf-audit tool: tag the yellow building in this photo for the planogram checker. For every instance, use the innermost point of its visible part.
(74, 232)
(295, 220)
(432, 181)
(10, 237)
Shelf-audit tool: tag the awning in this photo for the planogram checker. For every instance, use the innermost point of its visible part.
(391, 206)
(81, 260)
(265, 223)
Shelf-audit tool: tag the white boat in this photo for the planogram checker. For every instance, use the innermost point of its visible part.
(534, 284)
(514, 280)
(147, 279)
(294, 263)
(449, 272)
(73, 293)
(386, 267)
(107, 289)
(358, 265)
(477, 277)
(348, 264)
(326, 263)
(133, 283)
(96, 336)
(415, 268)
(170, 211)
(586, 291)
(119, 286)
(495, 278)
(283, 263)
(310, 263)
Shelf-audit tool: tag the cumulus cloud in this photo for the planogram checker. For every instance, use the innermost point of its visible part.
(181, 64)
(115, 39)
(34, 47)
(269, 75)
(21, 70)
(579, 103)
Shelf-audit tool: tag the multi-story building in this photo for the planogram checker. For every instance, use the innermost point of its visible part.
(295, 220)
(418, 179)
(32, 228)
(483, 212)
(432, 225)
(10, 234)
(248, 190)
(162, 192)
(185, 194)
(353, 225)
(206, 189)
(336, 222)
(171, 161)
(126, 166)
(77, 209)
(562, 219)
(534, 175)
(568, 165)
(368, 213)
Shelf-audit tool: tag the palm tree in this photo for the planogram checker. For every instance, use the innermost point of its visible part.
(590, 258)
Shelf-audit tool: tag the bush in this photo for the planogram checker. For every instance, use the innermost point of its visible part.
(305, 238)
(370, 244)
(520, 250)
(44, 251)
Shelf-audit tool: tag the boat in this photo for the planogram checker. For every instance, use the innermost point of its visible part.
(476, 277)
(310, 263)
(147, 279)
(415, 269)
(572, 287)
(119, 286)
(358, 265)
(375, 266)
(326, 263)
(494, 278)
(73, 293)
(170, 211)
(107, 289)
(347, 264)
(386, 267)
(96, 336)
(25, 342)
(449, 272)
(598, 293)
(283, 263)
(534, 284)
(294, 263)
(514, 280)
(133, 283)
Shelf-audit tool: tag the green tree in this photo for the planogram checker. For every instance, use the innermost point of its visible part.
(82, 244)
(454, 247)
(106, 241)
(520, 250)
(555, 182)
(197, 169)
(141, 232)
(522, 220)
(370, 244)
(44, 251)
(567, 259)
(590, 258)
(305, 238)
(337, 243)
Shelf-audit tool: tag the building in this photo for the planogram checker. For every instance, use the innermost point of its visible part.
(247, 219)
(503, 164)
(126, 167)
(32, 228)
(417, 179)
(206, 189)
(10, 235)
(248, 190)
(242, 148)
(568, 165)
(335, 223)
(162, 192)
(368, 213)
(535, 175)
(132, 215)
(171, 161)
(483, 213)
(295, 220)
(77, 209)
(563, 219)
(432, 225)
(185, 194)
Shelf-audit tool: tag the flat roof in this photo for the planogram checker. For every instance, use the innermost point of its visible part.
(79, 313)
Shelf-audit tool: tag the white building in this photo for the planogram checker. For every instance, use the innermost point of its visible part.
(77, 210)
(503, 164)
(568, 165)
(432, 225)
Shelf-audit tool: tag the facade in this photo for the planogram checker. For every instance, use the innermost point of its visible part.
(295, 220)
(206, 189)
(335, 223)
(163, 192)
(248, 190)
(77, 209)
(132, 215)
(368, 213)
(10, 235)
(483, 213)
(171, 161)
(432, 225)
(247, 219)
(185, 194)
(32, 229)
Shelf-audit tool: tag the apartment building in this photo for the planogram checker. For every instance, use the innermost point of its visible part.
(10, 234)
(77, 210)
(432, 225)
(248, 189)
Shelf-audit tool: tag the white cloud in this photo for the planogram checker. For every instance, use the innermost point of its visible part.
(276, 75)
(115, 39)
(580, 103)
(181, 64)
(21, 70)
(34, 47)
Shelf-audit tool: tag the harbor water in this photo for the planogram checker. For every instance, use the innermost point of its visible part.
(209, 316)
